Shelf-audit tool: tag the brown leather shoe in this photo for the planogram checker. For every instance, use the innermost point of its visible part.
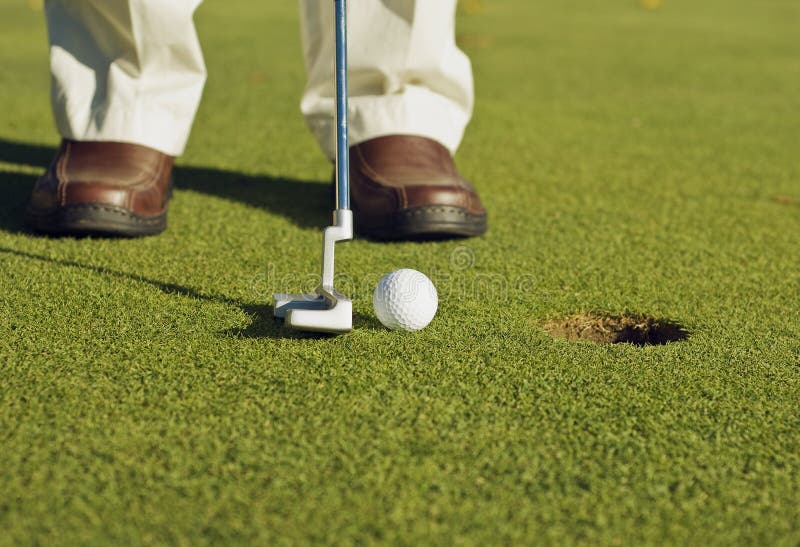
(407, 187)
(102, 188)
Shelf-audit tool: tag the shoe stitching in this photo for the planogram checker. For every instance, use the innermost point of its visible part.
(418, 211)
(148, 178)
(61, 175)
(374, 178)
(117, 211)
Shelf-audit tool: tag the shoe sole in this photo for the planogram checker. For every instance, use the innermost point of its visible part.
(95, 219)
(429, 222)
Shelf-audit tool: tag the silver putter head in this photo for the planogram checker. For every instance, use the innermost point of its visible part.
(326, 310)
(323, 311)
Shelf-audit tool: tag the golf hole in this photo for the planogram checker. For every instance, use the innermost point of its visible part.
(786, 200)
(639, 330)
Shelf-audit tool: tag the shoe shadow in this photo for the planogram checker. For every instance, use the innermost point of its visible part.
(262, 323)
(15, 188)
(305, 203)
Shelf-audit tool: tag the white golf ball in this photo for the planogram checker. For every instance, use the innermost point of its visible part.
(405, 299)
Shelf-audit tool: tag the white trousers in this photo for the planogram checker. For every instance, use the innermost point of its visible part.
(133, 70)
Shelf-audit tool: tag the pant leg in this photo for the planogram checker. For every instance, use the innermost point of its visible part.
(125, 70)
(407, 76)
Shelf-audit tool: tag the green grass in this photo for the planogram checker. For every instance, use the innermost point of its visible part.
(630, 161)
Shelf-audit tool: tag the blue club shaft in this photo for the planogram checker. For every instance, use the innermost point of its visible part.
(342, 148)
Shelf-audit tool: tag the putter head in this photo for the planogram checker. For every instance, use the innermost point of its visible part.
(326, 310)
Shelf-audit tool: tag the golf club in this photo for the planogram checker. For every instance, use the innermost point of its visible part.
(327, 310)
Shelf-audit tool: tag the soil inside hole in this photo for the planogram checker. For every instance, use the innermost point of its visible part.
(639, 330)
(786, 200)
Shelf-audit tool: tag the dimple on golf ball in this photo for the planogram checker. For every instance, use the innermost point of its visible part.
(405, 299)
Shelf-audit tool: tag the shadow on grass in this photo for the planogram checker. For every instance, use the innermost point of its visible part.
(304, 203)
(263, 324)
(15, 188)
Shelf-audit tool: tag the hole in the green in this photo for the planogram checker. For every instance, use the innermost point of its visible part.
(639, 330)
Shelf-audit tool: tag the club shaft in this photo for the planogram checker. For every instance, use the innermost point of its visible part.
(342, 148)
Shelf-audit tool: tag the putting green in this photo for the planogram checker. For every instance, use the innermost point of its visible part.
(635, 158)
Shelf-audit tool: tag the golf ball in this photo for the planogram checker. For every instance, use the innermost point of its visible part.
(405, 299)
